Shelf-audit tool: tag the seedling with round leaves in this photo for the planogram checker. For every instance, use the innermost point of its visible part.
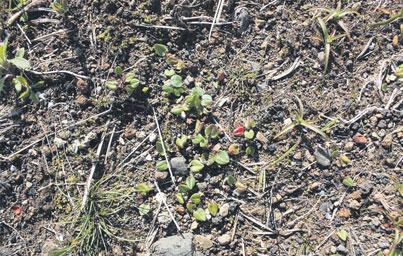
(210, 132)
(160, 49)
(300, 122)
(129, 82)
(186, 195)
(198, 102)
(174, 86)
(7, 72)
(25, 90)
(18, 61)
(327, 41)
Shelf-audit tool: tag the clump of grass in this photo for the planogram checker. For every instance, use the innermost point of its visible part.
(327, 41)
(98, 224)
(300, 122)
(336, 14)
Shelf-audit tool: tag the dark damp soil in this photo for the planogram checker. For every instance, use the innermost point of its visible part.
(299, 193)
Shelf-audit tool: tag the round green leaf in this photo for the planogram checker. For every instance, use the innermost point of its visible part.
(221, 157)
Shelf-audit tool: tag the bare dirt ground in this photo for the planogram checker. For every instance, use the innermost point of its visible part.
(267, 150)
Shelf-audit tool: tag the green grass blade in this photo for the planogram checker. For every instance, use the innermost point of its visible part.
(325, 31)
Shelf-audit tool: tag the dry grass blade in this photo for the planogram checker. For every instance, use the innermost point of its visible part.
(390, 20)
(325, 33)
(163, 148)
(286, 130)
(217, 16)
(314, 129)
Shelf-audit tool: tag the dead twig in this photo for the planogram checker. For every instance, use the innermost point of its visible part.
(59, 72)
(94, 166)
(163, 148)
(18, 14)
(161, 197)
(217, 16)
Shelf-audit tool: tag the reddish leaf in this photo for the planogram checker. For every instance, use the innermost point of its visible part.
(239, 131)
(221, 76)
(17, 210)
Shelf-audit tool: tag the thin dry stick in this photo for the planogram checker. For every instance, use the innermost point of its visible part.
(260, 224)
(60, 31)
(23, 33)
(216, 16)
(162, 197)
(297, 220)
(222, 129)
(163, 148)
(94, 166)
(18, 14)
(324, 241)
(59, 72)
(109, 144)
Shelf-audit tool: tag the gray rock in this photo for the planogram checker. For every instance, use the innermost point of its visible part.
(179, 166)
(173, 246)
(224, 239)
(349, 146)
(216, 220)
(203, 242)
(242, 15)
(342, 249)
(65, 135)
(321, 57)
(224, 209)
(323, 157)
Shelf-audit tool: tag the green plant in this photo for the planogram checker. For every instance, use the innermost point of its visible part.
(101, 220)
(131, 83)
(59, 6)
(160, 49)
(198, 100)
(221, 157)
(199, 215)
(144, 209)
(327, 40)
(181, 141)
(210, 132)
(25, 90)
(18, 61)
(399, 71)
(300, 122)
(162, 165)
(196, 166)
(143, 188)
(7, 71)
(348, 182)
(213, 208)
(128, 81)
(342, 234)
(185, 195)
(174, 86)
(336, 14)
